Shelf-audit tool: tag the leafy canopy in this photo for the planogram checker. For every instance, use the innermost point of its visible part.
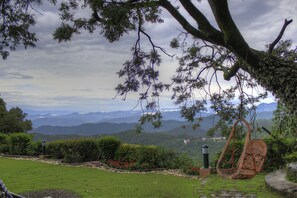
(14, 120)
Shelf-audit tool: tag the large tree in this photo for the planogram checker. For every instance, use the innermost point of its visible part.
(13, 120)
(218, 51)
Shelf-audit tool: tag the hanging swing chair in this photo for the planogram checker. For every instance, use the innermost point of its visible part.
(250, 161)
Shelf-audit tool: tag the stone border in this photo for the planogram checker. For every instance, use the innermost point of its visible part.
(277, 182)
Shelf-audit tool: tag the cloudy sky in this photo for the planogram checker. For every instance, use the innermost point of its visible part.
(81, 75)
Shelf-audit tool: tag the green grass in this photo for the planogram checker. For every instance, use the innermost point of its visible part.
(22, 176)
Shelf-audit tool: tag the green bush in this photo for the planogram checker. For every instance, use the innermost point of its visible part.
(280, 151)
(19, 143)
(3, 138)
(74, 151)
(35, 149)
(4, 144)
(183, 162)
(127, 153)
(156, 157)
(55, 149)
(81, 150)
(150, 157)
(291, 157)
(108, 146)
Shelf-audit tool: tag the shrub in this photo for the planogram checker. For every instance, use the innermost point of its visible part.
(291, 157)
(81, 150)
(280, 151)
(4, 144)
(34, 148)
(55, 149)
(148, 157)
(19, 143)
(127, 152)
(3, 138)
(156, 157)
(184, 162)
(108, 146)
(74, 151)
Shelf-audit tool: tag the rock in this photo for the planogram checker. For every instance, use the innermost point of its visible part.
(277, 182)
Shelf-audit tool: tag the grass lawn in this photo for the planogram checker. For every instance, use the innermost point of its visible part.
(22, 176)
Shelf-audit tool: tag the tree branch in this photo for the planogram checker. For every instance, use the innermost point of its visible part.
(234, 41)
(280, 35)
(182, 21)
(228, 74)
(201, 20)
(213, 34)
(233, 38)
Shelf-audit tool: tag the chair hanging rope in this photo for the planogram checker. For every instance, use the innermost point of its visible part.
(251, 158)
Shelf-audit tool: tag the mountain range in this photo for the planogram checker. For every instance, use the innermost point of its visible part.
(61, 118)
(97, 123)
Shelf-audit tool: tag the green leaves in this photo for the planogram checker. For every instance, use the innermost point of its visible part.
(15, 25)
(64, 33)
(13, 121)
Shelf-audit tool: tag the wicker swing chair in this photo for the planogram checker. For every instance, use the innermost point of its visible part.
(250, 161)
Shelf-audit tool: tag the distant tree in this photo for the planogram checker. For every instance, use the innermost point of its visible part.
(207, 52)
(13, 121)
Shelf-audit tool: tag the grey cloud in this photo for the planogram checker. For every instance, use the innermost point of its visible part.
(15, 75)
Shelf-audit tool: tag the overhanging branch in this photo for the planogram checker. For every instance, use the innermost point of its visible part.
(182, 20)
(280, 35)
(201, 20)
(215, 36)
(233, 38)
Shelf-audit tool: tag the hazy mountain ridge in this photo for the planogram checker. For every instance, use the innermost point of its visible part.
(120, 121)
(88, 129)
(264, 111)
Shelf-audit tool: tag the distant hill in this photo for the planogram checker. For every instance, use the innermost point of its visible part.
(171, 127)
(84, 129)
(64, 118)
(89, 129)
